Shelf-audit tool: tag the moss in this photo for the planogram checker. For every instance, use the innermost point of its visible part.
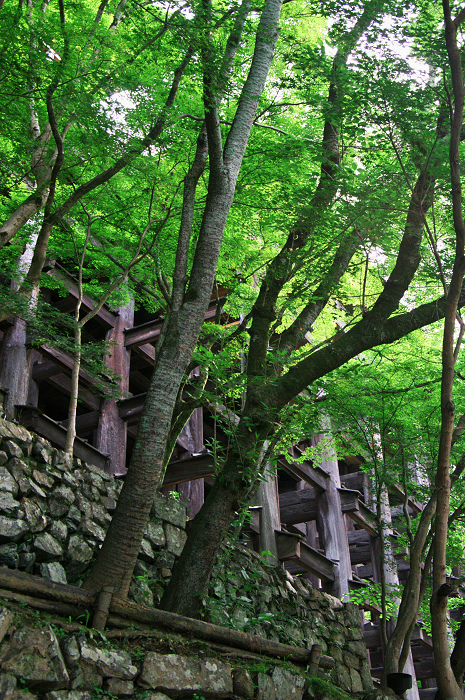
(326, 689)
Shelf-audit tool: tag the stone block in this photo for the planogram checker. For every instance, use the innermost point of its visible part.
(16, 432)
(47, 548)
(69, 695)
(43, 479)
(26, 561)
(42, 451)
(164, 560)
(288, 686)
(351, 660)
(9, 555)
(266, 689)
(8, 504)
(175, 539)
(58, 530)
(177, 675)
(100, 514)
(357, 686)
(155, 533)
(243, 684)
(108, 502)
(169, 510)
(36, 520)
(63, 493)
(91, 529)
(35, 656)
(7, 482)
(53, 571)
(146, 552)
(3, 458)
(6, 619)
(12, 529)
(109, 662)
(79, 550)
(344, 680)
(7, 686)
(12, 449)
(118, 687)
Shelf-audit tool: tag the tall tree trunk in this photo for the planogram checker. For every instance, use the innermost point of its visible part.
(116, 559)
(447, 684)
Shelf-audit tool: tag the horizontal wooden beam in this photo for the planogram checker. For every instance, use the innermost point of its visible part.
(63, 383)
(131, 407)
(357, 510)
(197, 467)
(104, 316)
(298, 506)
(291, 548)
(315, 476)
(30, 417)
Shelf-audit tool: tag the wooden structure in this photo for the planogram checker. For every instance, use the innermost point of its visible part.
(316, 519)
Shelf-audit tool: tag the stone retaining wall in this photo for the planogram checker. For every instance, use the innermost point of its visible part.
(54, 513)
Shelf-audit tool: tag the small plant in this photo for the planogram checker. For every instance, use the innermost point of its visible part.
(175, 496)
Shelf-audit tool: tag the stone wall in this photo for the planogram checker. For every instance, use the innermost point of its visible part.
(43, 662)
(54, 513)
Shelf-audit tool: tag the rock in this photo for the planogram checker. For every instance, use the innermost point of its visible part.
(92, 529)
(58, 530)
(155, 696)
(108, 502)
(164, 560)
(116, 686)
(7, 687)
(357, 686)
(146, 552)
(12, 449)
(42, 451)
(7, 483)
(9, 555)
(36, 520)
(69, 695)
(287, 685)
(175, 539)
(100, 514)
(155, 533)
(11, 430)
(71, 651)
(43, 479)
(74, 514)
(53, 571)
(177, 675)
(84, 505)
(79, 550)
(8, 504)
(70, 480)
(109, 662)
(266, 689)
(26, 561)
(243, 684)
(6, 619)
(63, 493)
(35, 656)
(12, 529)
(47, 547)
(3, 458)
(169, 510)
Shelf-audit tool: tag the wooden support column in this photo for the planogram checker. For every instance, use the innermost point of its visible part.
(193, 492)
(15, 357)
(330, 519)
(268, 498)
(111, 432)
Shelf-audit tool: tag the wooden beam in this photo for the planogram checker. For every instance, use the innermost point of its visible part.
(104, 316)
(353, 481)
(150, 331)
(298, 506)
(357, 510)
(291, 548)
(66, 362)
(84, 422)
(315, 476)
(63, 383)
(147, 351)
(32, 418)
(197, 467)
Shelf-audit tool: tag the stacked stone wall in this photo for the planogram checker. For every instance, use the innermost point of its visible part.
(54, 513)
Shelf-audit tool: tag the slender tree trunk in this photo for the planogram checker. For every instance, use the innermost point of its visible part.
(74, 392)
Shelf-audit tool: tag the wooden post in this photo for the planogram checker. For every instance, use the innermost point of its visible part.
(268, 498)
(330, 519)
(111, 432)
(315, 656)
(193, 492)
(102, 608)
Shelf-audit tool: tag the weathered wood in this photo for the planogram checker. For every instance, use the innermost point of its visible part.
(214, 633)
(355, 481)
(291, 548)
(196, 467)
(105, 317)
(49, 606)
(84, 422)
(150, 331)
(63, 383)
(31, 418)
(313, 475)
(21, 582)
(15, 361)
(315, 656)
(298, 506)
(352, 505)
(330, 520)
(102, 608)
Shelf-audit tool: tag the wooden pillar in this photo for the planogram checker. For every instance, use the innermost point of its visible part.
(112, 431)
(268, 498)
(15, 357)
(330, 519)
(193, 492)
